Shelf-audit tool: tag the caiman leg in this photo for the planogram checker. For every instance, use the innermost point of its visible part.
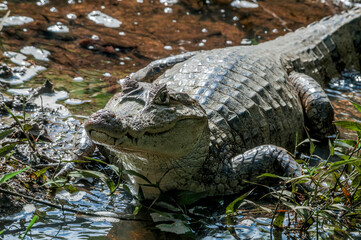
(157, 67)
(265, 159)
(317, 107)
(256, 161)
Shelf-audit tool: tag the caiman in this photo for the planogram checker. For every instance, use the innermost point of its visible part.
(206, 121)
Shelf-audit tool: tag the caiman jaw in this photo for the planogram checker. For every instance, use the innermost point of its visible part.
(176, 139)
(103, 137)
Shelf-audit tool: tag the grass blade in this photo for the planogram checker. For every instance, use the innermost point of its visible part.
(278, 222)
(357, 106)
(6, 133)
(232, 207)
(11, 175)
(6, 149)
(349, 125)
(134, 173)
(32, 222)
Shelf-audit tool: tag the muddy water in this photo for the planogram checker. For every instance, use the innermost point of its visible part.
(85, 47)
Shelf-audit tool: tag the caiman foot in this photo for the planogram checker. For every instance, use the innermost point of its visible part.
(317, 107)
(265, 159)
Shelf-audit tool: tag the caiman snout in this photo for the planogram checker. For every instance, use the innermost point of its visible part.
(104, 121)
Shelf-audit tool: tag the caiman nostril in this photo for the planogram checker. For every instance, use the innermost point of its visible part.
(103, 118)
(104, 113)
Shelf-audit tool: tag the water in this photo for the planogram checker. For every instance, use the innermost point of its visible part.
(57, 224)
(85, 47)
(341, 91)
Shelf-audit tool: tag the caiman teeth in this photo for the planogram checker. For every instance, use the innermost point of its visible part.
(102, 137)
(105, 138)
(131, 138)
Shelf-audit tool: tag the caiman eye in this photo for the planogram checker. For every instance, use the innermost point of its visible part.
(162, 98)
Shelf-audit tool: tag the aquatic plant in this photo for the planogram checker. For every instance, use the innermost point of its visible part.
(331, 204)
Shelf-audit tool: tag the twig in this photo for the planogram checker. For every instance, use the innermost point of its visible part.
(68, 209)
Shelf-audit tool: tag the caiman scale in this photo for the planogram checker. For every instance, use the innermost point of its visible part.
(205, 121)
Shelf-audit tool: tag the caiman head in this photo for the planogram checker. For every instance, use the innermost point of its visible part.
(152, 128)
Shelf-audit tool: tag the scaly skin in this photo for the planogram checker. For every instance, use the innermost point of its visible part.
(239, 108)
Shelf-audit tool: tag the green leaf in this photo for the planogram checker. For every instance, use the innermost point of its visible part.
(341, 207)
(343, 162)
(134, 173)
(232, 207)
(259, 206)
(2, 231)
(11, 175)
(6, 133)
(140, 194)
(312, 145)
(137, 209)
(6, 149)
(27, 127)
(96, 160)
(41, 171)
(331, 147)
(56, 181)
(356, 181)
(116, 169)
(126, 188)
(111, 186)
(71, 188)
(308, 224)
(346, 144)
(94, 174)
(303, 211)
(349, 125)
(278, 222)
(357, 106)
(32, 222)
(273, 176)
(189, 197)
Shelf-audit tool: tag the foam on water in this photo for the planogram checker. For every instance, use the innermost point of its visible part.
(17, 58)
(100, 18)
(73, 101)
(39, 54)
(244, 4)
(78, 79)
(246, 41)
(17, 20)
(58, 28)
(23, 91)
(71, 16)
(3, 7)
